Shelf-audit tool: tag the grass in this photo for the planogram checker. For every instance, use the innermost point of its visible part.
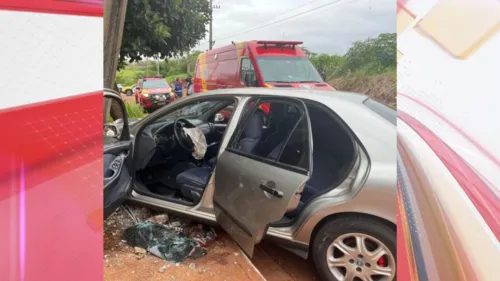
(134, 110)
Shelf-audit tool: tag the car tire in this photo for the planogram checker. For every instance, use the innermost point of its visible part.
(345, 226)
(128, 93)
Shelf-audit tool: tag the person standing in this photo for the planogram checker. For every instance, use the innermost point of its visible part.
(189, 85)
(178, 87)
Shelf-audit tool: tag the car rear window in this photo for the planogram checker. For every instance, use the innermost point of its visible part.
(381, 109)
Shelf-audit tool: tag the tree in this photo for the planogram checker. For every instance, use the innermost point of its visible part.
(328, 65)
(373, 54)
(163, 28)
(308, 53)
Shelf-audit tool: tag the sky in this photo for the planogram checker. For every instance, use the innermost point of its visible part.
(330, 29)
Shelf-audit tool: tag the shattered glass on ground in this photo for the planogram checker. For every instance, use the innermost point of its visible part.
(170, 239)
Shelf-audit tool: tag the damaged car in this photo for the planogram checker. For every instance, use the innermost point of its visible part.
(315, 172)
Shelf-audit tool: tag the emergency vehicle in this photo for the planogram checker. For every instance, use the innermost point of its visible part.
(280, 64)
(153, 92)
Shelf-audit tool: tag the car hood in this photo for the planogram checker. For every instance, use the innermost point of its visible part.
(315, 86)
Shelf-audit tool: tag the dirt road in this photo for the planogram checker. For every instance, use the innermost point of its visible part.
(224, 260)
(278, 264)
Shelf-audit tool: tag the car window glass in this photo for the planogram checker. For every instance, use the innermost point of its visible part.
(296, 151)
(288, 69)
(266, 135)
(225, 114)
(193, 111)
(154, 84)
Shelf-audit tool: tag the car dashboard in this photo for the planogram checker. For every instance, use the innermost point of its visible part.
(157, 141)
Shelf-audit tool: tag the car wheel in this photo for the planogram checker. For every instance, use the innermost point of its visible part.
(128, 93)
(353, 248)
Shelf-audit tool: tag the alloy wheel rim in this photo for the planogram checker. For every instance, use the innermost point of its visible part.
(360, 257)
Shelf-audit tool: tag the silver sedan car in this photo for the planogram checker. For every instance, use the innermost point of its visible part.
(313, 170)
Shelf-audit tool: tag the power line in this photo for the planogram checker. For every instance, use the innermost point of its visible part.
(286, 12)
(282, 20)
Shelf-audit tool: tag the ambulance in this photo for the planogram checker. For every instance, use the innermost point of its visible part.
(280, 64)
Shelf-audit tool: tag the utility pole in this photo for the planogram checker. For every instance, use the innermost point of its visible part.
(114, 21)
(157, 67)
(188, 62)
(210, 39)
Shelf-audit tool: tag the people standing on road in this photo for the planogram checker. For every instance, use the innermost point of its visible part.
(189, 85)
(178, 87)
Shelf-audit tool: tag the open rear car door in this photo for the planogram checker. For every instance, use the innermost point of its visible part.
(117, 159)
(252, 192)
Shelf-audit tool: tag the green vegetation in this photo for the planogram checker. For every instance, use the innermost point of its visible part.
(369, 57)
(169, 69)
(134, 110)
(368, 67)
(162, 29)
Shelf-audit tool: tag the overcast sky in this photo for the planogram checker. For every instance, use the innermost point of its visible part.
(331, 29)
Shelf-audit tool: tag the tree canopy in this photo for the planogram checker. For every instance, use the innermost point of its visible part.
(371, 56)
(162, 28)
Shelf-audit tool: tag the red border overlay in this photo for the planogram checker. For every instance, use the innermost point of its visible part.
(478, 192)
(94, 8)
(51, 190)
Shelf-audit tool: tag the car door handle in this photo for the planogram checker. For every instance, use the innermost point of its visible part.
(269, 187)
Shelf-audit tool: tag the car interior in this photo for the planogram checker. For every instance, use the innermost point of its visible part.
(167, 168)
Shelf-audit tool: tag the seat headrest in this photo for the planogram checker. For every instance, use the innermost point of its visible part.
(253, 128)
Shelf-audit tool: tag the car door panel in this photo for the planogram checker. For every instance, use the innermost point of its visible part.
(252, 192)
(117, 161)
(116, 176)
(239, 190)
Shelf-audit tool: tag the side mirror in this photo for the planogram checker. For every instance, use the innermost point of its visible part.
(218, 118)
(110, 131)
(114, 99)
(250, 80)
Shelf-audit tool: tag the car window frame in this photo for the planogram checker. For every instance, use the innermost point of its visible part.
(274, 162)
(369, 102)
(242, 79)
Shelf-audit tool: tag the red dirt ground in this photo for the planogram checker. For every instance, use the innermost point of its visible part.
(224, 261)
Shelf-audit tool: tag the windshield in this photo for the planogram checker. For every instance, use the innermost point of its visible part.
(192, 111)
(154, 84)
(288, 70)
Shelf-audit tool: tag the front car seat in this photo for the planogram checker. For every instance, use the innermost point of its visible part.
(193, 181)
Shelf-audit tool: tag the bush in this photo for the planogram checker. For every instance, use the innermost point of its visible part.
(134, 110)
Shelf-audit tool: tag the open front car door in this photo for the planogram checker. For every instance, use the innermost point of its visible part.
(254, 189)
(117, 158)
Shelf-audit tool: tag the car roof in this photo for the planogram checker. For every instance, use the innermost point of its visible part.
(315, 95)
(376, 133)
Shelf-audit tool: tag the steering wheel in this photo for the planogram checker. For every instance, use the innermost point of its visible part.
(180, 136)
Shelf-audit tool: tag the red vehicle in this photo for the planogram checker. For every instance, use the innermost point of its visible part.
(257, 64)
(153, 92)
